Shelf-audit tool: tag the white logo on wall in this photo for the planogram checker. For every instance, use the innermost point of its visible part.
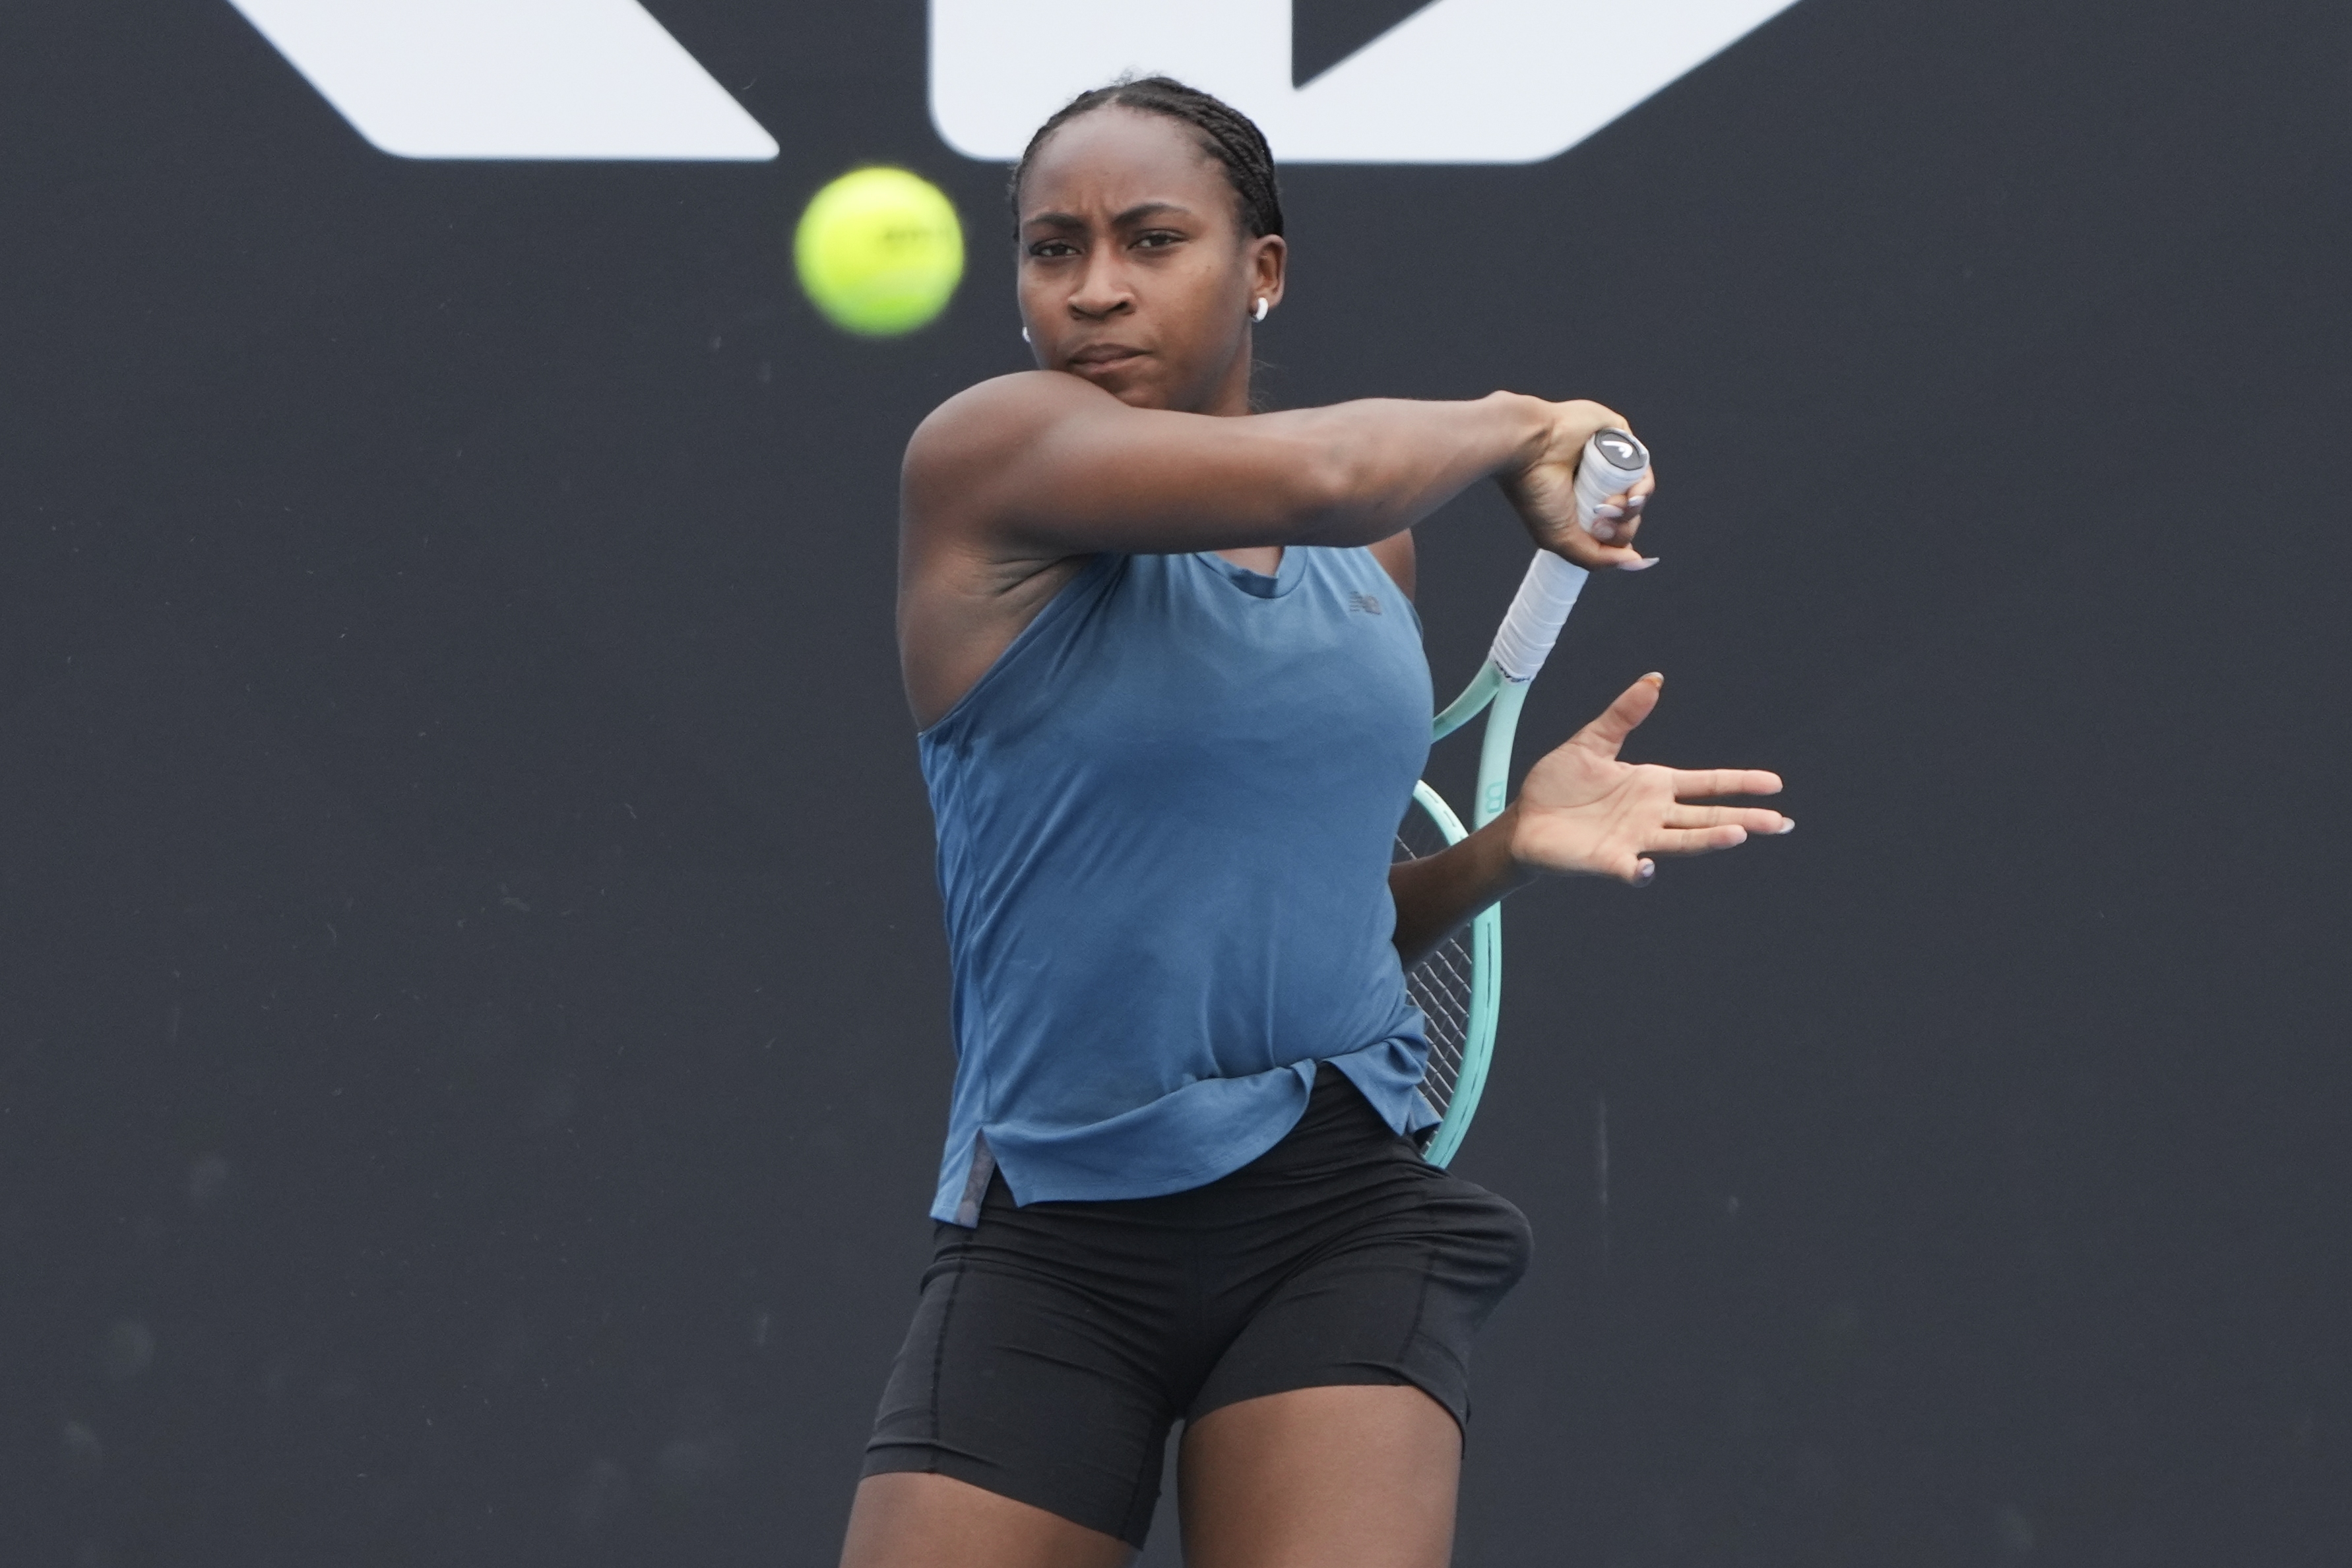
(1458, 81)
(509, 79)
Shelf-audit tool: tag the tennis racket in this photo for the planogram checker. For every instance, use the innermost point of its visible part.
(1459, 987)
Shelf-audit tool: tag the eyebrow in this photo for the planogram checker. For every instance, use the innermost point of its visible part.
(1133, 215)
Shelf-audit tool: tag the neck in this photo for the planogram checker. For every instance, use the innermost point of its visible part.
(1231, 397)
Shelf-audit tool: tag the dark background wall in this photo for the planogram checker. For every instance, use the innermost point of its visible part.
(472, 1024)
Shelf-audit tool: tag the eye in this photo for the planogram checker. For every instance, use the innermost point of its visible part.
(1052, 249)
(1157, 239)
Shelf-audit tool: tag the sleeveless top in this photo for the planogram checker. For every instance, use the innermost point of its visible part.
(1165, 817)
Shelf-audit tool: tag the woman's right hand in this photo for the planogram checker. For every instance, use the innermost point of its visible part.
(1542, 489)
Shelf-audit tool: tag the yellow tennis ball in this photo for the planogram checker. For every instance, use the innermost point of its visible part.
(879, 251)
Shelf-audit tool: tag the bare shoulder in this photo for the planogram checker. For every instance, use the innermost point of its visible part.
(968, 441)
(966, 588)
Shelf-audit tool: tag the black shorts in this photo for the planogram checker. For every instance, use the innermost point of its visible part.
(1055, 1344)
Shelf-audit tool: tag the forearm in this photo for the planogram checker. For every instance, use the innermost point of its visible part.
(1383, 464)
(1437, 895)
(1045, 466)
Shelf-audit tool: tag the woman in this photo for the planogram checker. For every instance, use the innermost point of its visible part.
(1169, 731)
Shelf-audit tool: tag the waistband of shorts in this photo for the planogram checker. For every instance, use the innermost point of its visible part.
(1338, 1138)
(1338, 1129)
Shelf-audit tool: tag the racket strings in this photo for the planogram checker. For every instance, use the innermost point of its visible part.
(1440, 987)
(1441, 984)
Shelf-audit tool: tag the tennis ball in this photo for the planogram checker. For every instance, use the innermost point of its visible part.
(879, 252)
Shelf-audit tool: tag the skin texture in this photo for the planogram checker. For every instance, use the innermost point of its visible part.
(1318, 1477)
(1137, 282)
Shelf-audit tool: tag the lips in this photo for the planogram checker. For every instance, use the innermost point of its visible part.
(1098, 355)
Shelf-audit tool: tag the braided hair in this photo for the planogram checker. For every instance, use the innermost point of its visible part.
(1227, 135)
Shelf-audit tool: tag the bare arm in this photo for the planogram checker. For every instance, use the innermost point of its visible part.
(1437, 895)
(1582, 812)
(1042, 465)
(1008, 488)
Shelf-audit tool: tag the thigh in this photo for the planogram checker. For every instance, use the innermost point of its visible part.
(1029, 1376)
(907, 1520)
(1395, 1295)
(1322, 1478)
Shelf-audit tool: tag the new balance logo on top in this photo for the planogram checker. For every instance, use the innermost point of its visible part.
(1364, 602)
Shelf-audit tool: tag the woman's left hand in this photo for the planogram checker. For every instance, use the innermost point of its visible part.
(1583, 812)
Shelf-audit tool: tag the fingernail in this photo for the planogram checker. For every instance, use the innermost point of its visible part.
(1641, 877)
(1788, 825)
(1606, 510)
(1644, 564)
(1635, 503)
(1655, 675)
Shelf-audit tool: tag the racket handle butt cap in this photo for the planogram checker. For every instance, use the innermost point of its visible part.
(1614, 463)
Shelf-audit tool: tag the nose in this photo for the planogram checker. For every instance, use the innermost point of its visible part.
(1102, 289)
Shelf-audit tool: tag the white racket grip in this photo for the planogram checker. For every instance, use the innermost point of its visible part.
(1613, 463)
(1537, 612)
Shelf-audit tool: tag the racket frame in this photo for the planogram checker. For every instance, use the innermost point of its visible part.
(1502, 698)
(1541, 607)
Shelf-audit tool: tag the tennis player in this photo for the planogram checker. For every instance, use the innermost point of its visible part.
(1172, 702)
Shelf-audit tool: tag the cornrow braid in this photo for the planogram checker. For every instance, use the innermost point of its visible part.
(1227, 135)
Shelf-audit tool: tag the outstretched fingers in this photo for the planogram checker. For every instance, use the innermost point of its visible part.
(1695, 840)
(1586, 810)
(1701, 830)
(1755, 820)
(1705, 783)
(1607, 734)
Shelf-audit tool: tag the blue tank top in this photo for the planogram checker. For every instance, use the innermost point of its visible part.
(1165, 817)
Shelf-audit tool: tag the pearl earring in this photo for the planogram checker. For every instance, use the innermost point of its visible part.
(1259, 314)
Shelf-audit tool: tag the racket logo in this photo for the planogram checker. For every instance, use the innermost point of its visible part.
(1622, 449)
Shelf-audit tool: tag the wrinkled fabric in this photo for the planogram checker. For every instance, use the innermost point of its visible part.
(1165, 817)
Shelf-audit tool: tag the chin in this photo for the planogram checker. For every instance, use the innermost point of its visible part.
(1143, 395)
(1130, 383)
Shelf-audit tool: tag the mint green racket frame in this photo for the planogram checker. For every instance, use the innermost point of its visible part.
(1502, 699)
(1612, 464)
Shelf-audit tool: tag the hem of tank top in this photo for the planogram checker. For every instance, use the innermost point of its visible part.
(975, 1183)
(1046, 613)
(1194, 1176)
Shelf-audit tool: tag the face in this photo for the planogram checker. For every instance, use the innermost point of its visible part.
(1136, 271)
